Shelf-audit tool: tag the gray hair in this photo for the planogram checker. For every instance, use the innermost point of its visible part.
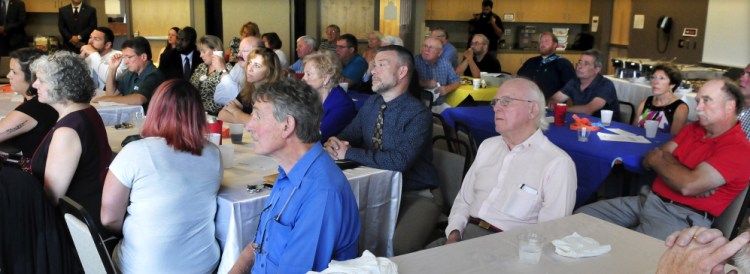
(211, 42)
(537, 96)
(485, 40)
(393, 40)
(309, 40)
(594, 53)
(67, 77)
(292, 97)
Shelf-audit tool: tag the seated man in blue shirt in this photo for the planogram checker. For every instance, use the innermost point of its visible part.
(393, 130)
(354, 65)
(589, 91)
(435, 73)
(141, 80)
(311, 216)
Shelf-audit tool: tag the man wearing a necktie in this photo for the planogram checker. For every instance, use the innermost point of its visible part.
(76, 22)
(12, 25)
(393, 130)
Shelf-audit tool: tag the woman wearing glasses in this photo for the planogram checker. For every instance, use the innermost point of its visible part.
(160, 192)
(262, 67)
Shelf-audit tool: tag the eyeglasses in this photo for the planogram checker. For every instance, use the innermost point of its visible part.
(584, 63)
(505, 101)
(430, 47)
(341, 47)
(477, 43)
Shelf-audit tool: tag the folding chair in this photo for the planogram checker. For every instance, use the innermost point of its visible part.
(88, 242)
(730, 220)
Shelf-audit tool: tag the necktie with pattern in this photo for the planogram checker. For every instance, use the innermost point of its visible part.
(377, 137)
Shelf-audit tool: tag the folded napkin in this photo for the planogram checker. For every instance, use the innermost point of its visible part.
(622, 138)
(577, 246)
(367, 264)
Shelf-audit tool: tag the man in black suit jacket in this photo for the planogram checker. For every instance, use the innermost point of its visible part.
(172, 62)
(76, 22)
(12, 26)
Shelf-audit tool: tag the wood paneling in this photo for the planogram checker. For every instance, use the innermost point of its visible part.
(352, 16)
(50, 6)
(154, 18)
(390, 27)
(621, 15)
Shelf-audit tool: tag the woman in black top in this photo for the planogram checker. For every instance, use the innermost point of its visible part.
(25, 127)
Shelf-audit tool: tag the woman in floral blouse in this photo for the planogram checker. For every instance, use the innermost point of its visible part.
(207, 75)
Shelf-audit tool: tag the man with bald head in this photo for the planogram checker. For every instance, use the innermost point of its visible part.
(698, 173)
(518, 178)
(435, 73)
(231, 83)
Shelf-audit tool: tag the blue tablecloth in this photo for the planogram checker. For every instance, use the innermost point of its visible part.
(593, 159)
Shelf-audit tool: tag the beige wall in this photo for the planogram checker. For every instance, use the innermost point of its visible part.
(270, 15)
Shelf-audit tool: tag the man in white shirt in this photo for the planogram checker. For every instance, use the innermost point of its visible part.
(98, 53)
(231, 84)
(518, 178)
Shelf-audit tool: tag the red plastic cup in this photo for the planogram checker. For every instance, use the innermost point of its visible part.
(559, 113)
(215, 127)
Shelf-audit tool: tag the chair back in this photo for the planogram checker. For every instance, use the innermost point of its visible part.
(630, 110)
(730, 220)
(451, 168)
(88, 242)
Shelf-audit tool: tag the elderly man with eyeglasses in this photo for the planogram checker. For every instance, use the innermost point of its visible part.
(435, 73)
(589, 91)
(476, 60)
(518, 178)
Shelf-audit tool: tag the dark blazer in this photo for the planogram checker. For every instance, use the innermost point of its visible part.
(15, 24)
(170, 64)
(70, 27)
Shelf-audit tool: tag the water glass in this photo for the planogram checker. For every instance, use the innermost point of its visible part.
(530, 247)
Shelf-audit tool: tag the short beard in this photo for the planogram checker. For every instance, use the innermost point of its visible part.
(742, 259)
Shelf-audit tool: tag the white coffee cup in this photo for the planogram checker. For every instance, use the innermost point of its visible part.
(606, 117)
(227, 155)
(476, 82)
(651, 127)
(214, 138)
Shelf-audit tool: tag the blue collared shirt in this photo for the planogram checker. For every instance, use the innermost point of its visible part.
(310, 218)
(355, 69)
(441, 71)
(297, 66)
(450, 54)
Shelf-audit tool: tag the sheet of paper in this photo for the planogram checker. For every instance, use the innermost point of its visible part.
(621, 132)
(620, 138)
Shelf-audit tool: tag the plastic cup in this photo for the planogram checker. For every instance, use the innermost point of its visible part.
(345, 86)
(651, 127)
(559, 113)
(137, 119)
(227, 155)
(583, 134)
(235, 132)
(214, 138)
(530, 247)
(476, 83)
(606, 117)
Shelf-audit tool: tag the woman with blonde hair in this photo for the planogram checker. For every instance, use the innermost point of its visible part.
(322, 71)
(208, 74)
(262, 66)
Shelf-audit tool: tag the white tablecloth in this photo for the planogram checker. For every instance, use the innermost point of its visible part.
(635, 93)
(111, 114)
(632, 252)
(378, 195)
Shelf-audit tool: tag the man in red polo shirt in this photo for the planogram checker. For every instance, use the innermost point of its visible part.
(699, 172)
